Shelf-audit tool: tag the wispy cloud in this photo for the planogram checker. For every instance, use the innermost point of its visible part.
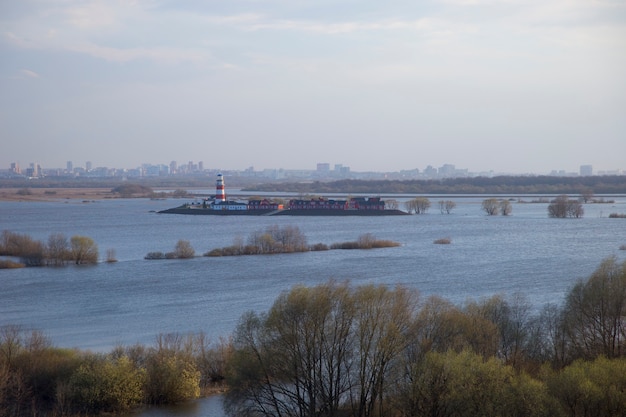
(29, 73)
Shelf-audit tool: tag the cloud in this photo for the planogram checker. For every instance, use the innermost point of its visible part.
(28, 73)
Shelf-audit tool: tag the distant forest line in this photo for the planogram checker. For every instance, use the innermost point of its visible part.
(477, 185)
(615, 184)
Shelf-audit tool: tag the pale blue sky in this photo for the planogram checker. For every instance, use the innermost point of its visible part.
(506, 85)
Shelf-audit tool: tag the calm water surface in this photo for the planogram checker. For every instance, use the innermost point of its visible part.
(133, 300)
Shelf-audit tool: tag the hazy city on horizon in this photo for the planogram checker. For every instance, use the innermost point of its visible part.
(323, 170)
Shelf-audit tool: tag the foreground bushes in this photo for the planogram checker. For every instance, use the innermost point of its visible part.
(36, 378)
(372, 351)
(367, 351)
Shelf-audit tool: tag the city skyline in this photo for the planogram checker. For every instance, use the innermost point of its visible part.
(321, 170)
(516, 86)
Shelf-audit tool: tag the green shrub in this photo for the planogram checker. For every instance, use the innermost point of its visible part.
(103, 384)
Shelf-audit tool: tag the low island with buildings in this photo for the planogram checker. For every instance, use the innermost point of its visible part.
(220, 205)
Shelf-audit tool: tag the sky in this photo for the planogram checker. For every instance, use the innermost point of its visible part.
(514, 86)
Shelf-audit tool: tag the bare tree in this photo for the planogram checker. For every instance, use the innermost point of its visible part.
(84, 250)
(418, 205)
(58, 249)
(586, 194)
(490, 206)
(446, 206)
(505, 207)
(562, 206)
(392, 204)
(184, 250)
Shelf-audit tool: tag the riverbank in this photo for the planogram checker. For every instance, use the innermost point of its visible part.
(55, 194)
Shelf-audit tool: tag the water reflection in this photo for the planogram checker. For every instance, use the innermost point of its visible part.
(204, 407)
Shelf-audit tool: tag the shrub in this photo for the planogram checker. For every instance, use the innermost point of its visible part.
(617, 216)
(105, 385)
(366, 241)
(443, 241)
(111, 256)
(214, 253)
(154, 255)
(84, 250)
(31, 252)
(562, 206)
(622, 247)
(184, 250)
(131, 190)
(319, 247)
(345, 245)
(9, 264)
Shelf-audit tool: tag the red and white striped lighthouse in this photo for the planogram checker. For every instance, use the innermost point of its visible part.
(220, 194)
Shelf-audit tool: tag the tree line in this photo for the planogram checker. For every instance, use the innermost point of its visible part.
(290, 239)
(354, 351)
(58, 250)
(371, 351)
(543, 184)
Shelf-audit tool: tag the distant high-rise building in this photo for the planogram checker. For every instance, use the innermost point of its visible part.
(200, 166)
(88, 166)
(447, 170)
(323, 167)
(15, 168)
(34, 171)
(69, 167)
(173, 167)
(586, 170)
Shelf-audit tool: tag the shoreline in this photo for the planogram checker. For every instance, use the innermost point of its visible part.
(56, 194)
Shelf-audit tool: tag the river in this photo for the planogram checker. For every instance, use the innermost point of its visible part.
(133, 300)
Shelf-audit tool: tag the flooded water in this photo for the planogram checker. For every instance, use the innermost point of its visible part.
(133, 300)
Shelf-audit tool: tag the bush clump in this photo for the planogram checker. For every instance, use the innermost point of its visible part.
(291, 240)
(443, 241)
(366, 241)
(617, 216)
(319, 247)
(57, 251)
(182, 250)
(39, 379)
(132, 190)
(9, 264)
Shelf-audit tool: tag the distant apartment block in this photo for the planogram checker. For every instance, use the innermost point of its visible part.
(323, 167)
(586, 170)
(15, 168)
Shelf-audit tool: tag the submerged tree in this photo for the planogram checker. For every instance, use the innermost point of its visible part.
(490, 206)
(505, 207)
(562, 206)
(184, 250)
(446, 206)
(418, 205)
(84, 250)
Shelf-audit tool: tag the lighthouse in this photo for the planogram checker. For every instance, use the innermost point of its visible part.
(220, 194)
